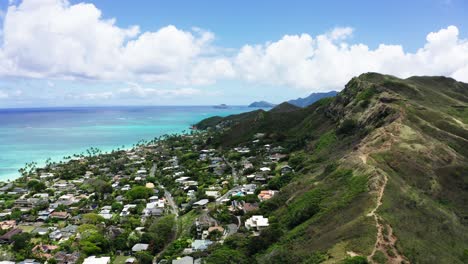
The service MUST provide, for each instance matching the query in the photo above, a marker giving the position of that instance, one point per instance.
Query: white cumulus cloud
(53, 38)
(327, 61)
(3, 95)
(59, 40)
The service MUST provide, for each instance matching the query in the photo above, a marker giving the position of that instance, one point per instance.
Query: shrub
(347, 127)
(355, 260)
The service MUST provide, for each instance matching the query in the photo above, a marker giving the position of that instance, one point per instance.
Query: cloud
(3, 95)
(58, 40)
(327, 61)
(52, 38)
(137, 91)
(10, 94)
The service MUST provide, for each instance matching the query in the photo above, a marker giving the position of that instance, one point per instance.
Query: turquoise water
(28, 135)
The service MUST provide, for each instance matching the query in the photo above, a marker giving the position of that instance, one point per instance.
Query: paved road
(153, 170)
(233, 172)
(228, 194)
(172, 204)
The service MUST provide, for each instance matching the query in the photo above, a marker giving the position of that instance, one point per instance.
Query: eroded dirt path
(385, 241)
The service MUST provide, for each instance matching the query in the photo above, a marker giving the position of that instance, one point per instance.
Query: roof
(96, 260)
(9, 234)
(202, 202)
(200, 244)
(184, 260)
(140, 247)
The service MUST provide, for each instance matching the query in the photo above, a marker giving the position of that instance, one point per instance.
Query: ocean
(35, 134)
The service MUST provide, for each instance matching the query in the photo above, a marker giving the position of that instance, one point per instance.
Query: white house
(257, 222)
(96, 260)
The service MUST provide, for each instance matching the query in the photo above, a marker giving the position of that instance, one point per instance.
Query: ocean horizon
(38, 133)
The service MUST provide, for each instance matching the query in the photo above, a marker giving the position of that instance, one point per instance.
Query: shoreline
(42, 163)
(14, 159)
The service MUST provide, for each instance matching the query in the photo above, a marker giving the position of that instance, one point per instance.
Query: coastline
(105, 128)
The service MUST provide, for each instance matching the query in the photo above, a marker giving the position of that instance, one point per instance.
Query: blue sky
(104, 52)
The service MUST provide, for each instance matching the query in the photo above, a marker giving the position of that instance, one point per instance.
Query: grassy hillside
(382, 173)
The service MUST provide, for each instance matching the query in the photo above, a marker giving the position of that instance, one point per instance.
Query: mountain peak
(284, 108)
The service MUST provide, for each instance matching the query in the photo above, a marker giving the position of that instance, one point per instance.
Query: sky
(151, 52)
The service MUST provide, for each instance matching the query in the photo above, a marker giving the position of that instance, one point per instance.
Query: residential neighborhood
(165, 201)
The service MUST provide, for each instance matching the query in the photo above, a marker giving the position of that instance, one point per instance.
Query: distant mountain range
(312, 98)
(300, 102)
(261, 104)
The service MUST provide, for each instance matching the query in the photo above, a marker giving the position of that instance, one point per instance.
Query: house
(277, 157)
(96, 260)
(46, 175)
(41, 231)
(182, 179)
(44, 250)
(60, 215)
(249, 188)
(257, 222)
(141, 172)
(250, 207)
(130, 261)
(202, 203)
(44, 215)
(214, 194)
(29, 261)
(140, 247)
(55, 235)
(201, 244)
(147, 212)
(9, 224)
(126, 211)
(114, 231)
(66, 200)
(69, 231)
(106, 212)
(215, 228)
(184, 260)
(23, 203)
(286, 169)
(65, 258)
(153, 199)
(266, 195)
(6, 238)
(260, 179)
(63, 186)
(43, 196)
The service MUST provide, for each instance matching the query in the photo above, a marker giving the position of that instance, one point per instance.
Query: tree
(21, 241)
(355, 260)
(93, 243)
(347, 127)
(162, 230)
(36, 186)
(226, 255)
(92, 218)
(16, 214)
(144, 257)
(139, 192)
(117, 207)
(120, 242)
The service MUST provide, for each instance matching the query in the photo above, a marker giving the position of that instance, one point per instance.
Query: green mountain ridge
(381, 173)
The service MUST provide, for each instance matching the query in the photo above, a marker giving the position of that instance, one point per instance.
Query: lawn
(26, 228)
(120, 259)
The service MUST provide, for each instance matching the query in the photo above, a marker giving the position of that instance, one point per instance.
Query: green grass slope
(382, 173)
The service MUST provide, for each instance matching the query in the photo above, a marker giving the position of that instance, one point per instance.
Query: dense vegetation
(404, 138)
